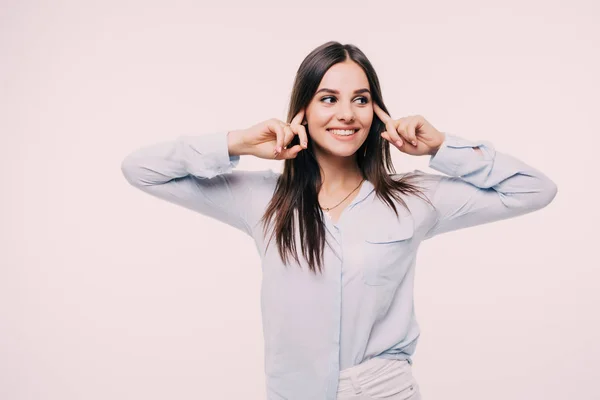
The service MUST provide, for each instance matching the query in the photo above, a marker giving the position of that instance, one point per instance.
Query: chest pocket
(388, 251)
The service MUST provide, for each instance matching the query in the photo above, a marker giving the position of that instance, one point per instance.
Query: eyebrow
(363, 90)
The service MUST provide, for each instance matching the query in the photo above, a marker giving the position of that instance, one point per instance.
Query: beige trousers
(378, 378)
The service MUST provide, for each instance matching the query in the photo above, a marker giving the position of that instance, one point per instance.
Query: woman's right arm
(198, 173)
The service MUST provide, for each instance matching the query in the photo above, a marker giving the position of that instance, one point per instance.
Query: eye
(365, 99)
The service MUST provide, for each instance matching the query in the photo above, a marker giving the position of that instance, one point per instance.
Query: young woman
(337, 232)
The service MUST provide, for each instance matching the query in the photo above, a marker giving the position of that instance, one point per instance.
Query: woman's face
(342, 100)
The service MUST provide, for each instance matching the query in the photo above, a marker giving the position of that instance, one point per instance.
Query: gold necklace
(330, 208)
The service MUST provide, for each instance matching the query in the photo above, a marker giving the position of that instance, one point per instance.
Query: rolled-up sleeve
(483, 186)
(197, 172)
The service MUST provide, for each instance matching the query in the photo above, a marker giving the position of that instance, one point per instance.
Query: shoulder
(261, 179)
(264, 176)
(424, 180)
(259, 184)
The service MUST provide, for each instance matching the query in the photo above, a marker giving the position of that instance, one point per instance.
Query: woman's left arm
(483, 185)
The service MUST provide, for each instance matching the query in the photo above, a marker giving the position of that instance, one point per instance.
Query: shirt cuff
(456, 155)
(214, 152)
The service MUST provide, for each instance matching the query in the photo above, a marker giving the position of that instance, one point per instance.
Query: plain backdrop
(109, 293)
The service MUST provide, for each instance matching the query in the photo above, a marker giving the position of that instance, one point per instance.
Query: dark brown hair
(296, 192)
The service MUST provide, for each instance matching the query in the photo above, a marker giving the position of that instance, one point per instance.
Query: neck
(339, 174)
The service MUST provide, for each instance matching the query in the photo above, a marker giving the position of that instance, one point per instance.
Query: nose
(345, 113)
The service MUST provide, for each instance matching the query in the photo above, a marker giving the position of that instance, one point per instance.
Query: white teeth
(342, 132)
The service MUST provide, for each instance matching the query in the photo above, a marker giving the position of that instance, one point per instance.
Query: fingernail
(279, 149)
(414, 143)
(399, 142)
(304, 144)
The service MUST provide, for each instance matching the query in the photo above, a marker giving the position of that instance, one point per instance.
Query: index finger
(298, 118)
(381, 114)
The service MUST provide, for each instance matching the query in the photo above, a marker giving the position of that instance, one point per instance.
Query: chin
(345, 147)
(342, 151)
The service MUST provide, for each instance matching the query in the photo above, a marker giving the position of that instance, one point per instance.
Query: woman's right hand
(269, 139)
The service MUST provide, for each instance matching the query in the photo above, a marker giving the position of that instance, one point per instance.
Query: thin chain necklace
(330, 208)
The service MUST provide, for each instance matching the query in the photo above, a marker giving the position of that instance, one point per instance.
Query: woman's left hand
(412, 135)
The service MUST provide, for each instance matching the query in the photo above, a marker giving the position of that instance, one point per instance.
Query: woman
(339, 323)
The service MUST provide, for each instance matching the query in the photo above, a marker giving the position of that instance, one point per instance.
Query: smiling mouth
(343, 132)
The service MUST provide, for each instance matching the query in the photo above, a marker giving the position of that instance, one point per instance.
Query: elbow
(552, 190)
(533, 198)
(546, 193)
(128, 168)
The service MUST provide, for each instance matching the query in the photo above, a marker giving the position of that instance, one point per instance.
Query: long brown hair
(296, 191)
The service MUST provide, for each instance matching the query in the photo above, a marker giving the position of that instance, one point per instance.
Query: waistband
(351, 379)
(372, 365)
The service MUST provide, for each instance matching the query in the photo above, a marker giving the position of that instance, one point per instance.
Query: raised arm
(198, 172)
(483, 185)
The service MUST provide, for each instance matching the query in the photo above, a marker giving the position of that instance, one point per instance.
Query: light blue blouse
(362, 305)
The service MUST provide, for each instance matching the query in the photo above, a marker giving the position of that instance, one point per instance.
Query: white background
(109, 293)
